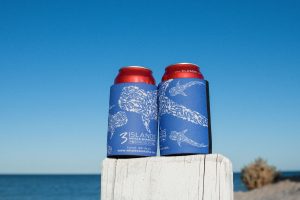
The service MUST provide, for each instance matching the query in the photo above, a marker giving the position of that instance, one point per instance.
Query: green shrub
(258, 174)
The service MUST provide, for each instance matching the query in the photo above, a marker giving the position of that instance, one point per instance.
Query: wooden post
(194, 177)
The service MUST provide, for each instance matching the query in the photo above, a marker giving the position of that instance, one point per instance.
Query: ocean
(65, 187)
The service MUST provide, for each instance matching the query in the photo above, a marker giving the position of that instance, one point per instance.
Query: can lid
(183, 63)
(182, 70)
(135, 66)
(135, 74)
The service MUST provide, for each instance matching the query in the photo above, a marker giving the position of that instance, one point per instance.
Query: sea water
(49, 187)
(68, 187)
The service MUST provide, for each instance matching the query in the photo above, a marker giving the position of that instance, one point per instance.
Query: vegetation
(258, 174)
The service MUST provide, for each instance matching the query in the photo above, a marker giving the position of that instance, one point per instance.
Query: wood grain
(194, 177)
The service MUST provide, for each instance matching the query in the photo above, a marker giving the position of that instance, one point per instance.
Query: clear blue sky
(59, 58)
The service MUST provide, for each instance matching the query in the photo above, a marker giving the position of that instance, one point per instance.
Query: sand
(283, 190)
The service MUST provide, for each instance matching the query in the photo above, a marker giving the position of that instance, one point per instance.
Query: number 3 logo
(123, 136)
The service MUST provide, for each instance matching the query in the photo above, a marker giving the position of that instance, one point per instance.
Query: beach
(286, 190)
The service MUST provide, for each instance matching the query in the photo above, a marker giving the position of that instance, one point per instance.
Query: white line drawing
(179, 89)
(134, 99)
(109, 149)
(115, 121)
(180, 137)
(111, 107)
(168, 106)
(162, 135)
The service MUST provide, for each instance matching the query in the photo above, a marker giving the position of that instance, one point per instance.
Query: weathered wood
(205, 177)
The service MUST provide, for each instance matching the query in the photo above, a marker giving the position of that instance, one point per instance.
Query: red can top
(182, 70)
(135, 74)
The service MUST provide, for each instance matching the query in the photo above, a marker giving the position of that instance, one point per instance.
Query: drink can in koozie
(132, 121)
(184, 114)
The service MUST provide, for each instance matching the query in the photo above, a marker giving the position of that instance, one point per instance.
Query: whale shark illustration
(180, 137)
(134, 99)
(168, 106)
(115, 121)
(179, 89)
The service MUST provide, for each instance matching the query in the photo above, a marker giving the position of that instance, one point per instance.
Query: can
(132, 121)
(184, 111)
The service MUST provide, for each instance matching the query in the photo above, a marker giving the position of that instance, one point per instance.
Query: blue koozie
(132, 123)
(183, 116)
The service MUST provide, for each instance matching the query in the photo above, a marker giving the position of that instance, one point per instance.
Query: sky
(58, 60)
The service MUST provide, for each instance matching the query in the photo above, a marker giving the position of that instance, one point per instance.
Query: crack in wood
(203, 177)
